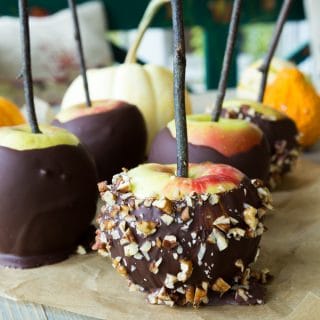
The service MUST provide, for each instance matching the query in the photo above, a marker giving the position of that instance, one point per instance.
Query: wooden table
(11, 310)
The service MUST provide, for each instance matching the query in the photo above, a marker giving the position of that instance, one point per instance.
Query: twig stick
(179, 68)
(77, 36)
(264, 68)
(26, 65)
(232, 36)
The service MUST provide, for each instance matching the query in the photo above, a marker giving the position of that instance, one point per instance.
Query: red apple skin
(114, 132)
(159, 180)
(246, 149)
(207, 176)
(228, 143)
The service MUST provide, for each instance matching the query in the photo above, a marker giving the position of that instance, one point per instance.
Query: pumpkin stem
(77, 36)
(232, 35)
(264, 68)
(151, 11)
(26, 65)
(179, 69)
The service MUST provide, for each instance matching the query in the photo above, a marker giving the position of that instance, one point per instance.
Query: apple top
(81, 110)
(22, 138)
(159, 181)
(228, 136)
(266, 111)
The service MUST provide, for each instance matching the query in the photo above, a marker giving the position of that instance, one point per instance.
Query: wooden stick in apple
(232, 35)
(179, 68)
(264, 68)
(77, 36)
(26, 65)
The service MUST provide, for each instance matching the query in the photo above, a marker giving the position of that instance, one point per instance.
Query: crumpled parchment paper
(290, 249)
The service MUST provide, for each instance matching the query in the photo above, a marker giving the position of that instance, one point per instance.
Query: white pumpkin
(149, 87)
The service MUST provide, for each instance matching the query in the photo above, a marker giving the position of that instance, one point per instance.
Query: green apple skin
(21, 138)
(159, 181)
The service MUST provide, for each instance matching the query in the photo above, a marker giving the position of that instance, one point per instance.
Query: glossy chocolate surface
(281, 135)
(254, 163)
(116, 139)
(48, 199)
(208, 259)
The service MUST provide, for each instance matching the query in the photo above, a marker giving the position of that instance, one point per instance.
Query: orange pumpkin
(10, 114)
(292, 94)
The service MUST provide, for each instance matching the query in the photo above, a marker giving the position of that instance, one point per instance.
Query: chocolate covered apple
(113, 131)
(184, 240)
(233, 142)
(48, 184)
(280, 131)
(48, 195)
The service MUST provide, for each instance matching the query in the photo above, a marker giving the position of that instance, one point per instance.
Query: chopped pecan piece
(239, 264)
(169, 242)
(170, 280)
(186, 270)
(167, 219)
(250, 219)
(217, 237)
(200, 296)
(185, 214)
(154, 266)
(220, 286)
(131, 249)
(102, 186)
(107, 225)
(236, 233)
(146, 227)
(189, 294)
(164, 205)
(109, 198)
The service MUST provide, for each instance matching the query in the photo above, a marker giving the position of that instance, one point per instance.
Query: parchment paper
(90, 286)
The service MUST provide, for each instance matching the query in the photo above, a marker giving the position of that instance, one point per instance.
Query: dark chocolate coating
(254, 163)
(48, 200)
(204, 215)
(116, 139)
(191, 235)
(281, 135)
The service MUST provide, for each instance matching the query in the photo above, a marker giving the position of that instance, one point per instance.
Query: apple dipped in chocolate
(48, 195)
(279, 130)
(48, 191)
(184, 240)
(114, 132)
(185, 234)
(232, 142)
